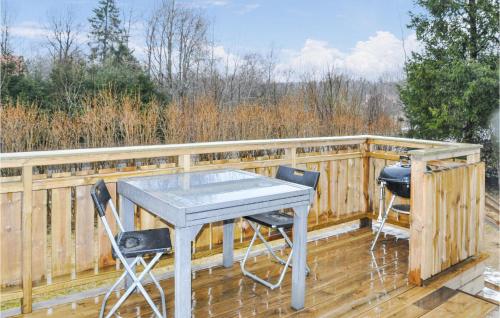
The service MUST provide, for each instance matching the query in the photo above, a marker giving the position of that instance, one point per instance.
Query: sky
(361, 37)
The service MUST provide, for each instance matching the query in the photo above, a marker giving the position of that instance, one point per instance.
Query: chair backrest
(101, 197)
(303, 177)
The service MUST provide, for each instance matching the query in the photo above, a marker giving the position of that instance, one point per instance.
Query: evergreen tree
(106, 31)
(451, 89)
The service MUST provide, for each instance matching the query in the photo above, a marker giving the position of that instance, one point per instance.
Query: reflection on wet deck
(346, 281)
(344, 275)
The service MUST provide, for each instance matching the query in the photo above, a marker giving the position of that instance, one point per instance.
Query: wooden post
(474, 158)
(185, 162)
(291, 154)
(418, 217)
(365, 179)
(27, 179)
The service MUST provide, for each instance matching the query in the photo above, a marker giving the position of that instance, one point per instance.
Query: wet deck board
(461, 305)
(342, 284)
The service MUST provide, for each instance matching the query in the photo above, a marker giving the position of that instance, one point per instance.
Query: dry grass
(108, 120)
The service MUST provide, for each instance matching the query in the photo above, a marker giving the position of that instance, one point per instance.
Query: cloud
(227, 60)
(248, 8)
(314, 56)
(37, 32)
(207, 3)
(29, 30)
(382, 54)
(219, 3)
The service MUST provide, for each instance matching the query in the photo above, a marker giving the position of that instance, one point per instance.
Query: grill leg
(384, 218)
(381, 201)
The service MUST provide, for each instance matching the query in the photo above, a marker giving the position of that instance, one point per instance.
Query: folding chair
(131, 244)
(278, 220)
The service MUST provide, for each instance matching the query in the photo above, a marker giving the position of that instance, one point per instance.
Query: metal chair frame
(384, 213)
(256, 227)
(129, 271)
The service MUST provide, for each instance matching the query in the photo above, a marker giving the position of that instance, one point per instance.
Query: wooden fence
(450, 225)
(51, 239)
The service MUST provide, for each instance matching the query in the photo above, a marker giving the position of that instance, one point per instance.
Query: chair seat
(273, 220)
(139, 243)
(401, 208)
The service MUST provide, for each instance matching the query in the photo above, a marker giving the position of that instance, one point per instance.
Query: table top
(202, 191)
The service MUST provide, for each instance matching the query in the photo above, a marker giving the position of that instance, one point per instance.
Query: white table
(190, 200)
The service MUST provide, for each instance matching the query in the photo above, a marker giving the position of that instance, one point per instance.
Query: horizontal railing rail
(43, 158)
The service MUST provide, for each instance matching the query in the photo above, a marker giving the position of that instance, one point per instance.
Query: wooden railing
(51, 240)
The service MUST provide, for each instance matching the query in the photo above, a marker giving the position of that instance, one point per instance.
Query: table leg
(127, 208)
(299, 256)
(182, 274)
(228, 243)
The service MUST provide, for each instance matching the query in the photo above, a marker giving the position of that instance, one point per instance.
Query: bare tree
(191, 30)
(160, 43)
(68, 67)
(62, 40)
(270, 62)
(5, 48)
(175, 39)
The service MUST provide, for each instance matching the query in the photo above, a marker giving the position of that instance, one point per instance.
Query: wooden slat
(313, 217)
(451, 218)
(323, 194)
(417, 241)
(104, 257)
(216, 233)
(11, 238)
(358, 185)
(39, 236)
(316, 207)
(27, 209)
(464, 196)
(428, 188)
(453, 215)
(481, 207)
(438, 232)
(84, 229)
(342, 194)
(203, 239)
(378, 164)
(147, 220)
(332, 188)
(61, 243)
(365, 180)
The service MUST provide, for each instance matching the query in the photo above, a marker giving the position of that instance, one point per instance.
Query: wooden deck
(346, 281)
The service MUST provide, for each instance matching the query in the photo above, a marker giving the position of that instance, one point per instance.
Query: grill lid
(397, 173)
(397, 177)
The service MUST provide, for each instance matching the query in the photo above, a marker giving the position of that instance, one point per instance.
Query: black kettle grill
(396, 178)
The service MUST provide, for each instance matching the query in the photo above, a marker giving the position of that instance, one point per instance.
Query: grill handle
(405, 159)
(391, 180)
